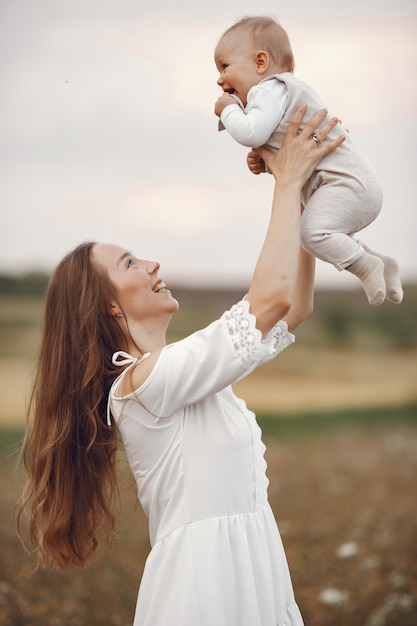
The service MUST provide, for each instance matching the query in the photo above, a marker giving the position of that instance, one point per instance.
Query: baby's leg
(332, 215)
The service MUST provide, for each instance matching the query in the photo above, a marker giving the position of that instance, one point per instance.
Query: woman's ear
(262, 61)
(115, 309)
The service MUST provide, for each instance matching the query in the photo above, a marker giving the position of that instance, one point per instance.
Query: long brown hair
(69, 452)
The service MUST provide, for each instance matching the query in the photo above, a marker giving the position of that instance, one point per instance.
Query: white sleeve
(253, 125)
(210, 360)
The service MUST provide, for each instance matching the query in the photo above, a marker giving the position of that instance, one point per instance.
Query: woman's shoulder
(135, 376)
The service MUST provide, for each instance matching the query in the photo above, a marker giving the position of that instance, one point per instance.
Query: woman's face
(140, 292)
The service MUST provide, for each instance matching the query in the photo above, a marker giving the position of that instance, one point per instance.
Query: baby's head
(251, 50)
(264, 33)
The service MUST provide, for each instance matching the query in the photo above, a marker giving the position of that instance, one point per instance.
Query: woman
(193, 447)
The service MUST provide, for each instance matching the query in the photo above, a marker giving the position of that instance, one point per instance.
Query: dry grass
(326, 491)
(15, 383)
(311, 379)
(354, 487)
(365, 371)
(301, 379)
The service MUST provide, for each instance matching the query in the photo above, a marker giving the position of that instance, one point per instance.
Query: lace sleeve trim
(247, 339)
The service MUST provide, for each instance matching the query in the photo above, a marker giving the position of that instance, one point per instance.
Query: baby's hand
(255, 163)
(223, 102)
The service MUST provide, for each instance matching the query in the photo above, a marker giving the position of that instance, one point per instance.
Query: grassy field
(324, 370)
(343, 492)
(339, 416)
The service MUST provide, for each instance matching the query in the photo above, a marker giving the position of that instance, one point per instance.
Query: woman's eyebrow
(122, 257)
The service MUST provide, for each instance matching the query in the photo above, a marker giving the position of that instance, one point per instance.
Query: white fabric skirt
(222, 571)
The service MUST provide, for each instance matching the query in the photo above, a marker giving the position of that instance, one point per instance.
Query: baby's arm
(255, 163)
(252, 126)
(223, 101)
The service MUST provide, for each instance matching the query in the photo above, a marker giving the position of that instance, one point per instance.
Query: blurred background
(108, 133)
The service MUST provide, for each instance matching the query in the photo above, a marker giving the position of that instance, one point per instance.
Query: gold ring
(316, 139)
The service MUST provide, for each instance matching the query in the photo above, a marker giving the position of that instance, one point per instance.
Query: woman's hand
(300, 152)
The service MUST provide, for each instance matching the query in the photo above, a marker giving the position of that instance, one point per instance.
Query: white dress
(196, 453)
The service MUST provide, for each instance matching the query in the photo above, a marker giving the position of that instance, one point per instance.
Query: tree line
(340, 316)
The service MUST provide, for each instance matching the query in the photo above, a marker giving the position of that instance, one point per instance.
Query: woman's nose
(153, 266)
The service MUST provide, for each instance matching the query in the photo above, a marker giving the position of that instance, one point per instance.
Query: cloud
(185, 209)
(185, 58)
(108, 130)
(355, 64)
(358, 65)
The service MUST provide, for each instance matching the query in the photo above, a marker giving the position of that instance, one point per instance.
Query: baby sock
(392, 278)
(370, 270)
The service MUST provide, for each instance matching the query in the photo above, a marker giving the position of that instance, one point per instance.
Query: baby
(261, 94)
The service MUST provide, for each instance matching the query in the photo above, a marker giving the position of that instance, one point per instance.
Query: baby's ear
(262, 61)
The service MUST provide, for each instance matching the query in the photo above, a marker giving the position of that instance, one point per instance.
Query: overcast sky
(107, 129)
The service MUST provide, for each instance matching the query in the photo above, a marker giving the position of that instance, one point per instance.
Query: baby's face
(237, 67)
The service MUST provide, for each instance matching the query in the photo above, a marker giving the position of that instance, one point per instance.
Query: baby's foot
(394, 290)
(370, 271)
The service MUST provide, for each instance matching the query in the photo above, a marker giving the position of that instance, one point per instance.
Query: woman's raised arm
(280, 275)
